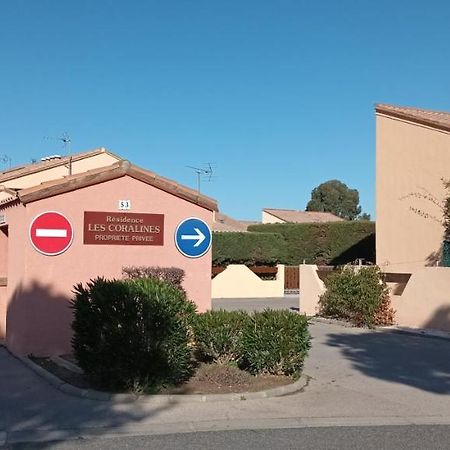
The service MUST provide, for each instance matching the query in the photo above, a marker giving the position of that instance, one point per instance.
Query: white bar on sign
(49, 232)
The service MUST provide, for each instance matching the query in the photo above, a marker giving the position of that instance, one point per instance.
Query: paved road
(345, 438)
(257, 304)
(358, 377)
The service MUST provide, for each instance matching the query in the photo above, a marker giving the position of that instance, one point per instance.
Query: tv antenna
(66, 145)
(6, 159)
(203, 174)
(64, 139)
(66, 142)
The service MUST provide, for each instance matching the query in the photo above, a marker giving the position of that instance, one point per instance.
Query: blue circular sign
(193, 237)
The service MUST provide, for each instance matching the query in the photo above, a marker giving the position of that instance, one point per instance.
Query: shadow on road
(411, 360)
(440, 319)
(38, 320)
(30, 407)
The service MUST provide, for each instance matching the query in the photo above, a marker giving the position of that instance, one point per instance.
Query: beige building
(52, 168)
(222, 222)
(270, 215)
(412, 158)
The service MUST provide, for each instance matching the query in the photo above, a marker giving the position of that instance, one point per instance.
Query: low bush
(172, 275)
(269, 342)
(275, 342)
(360, 296)
(218, 335)
(132, 334)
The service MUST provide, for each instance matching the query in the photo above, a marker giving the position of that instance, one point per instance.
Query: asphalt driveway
(257, 304)
(356, 377)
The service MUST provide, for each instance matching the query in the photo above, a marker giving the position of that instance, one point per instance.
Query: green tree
(335, 197)
(446, 211)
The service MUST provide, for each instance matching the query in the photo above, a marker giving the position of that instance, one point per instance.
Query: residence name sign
(123, 228)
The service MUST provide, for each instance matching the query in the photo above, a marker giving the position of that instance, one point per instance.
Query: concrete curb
(325, 320)
(92, 394)
(66, 364)
(424, 332)
(40, 435)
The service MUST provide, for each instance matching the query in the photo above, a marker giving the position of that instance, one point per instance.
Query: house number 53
(124, 205)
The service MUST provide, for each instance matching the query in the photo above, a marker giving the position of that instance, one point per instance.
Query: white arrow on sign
(199, 237)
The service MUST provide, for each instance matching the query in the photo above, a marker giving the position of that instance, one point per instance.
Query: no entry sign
(51, 233)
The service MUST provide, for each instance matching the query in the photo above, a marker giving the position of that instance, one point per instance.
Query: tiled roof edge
(386, 110)
(114, 171)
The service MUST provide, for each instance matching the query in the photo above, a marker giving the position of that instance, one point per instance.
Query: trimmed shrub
(333, 243)
(218, 335)
(358, 295)
(172, 275)
(132, 334)
(275, 342)
(248, 248)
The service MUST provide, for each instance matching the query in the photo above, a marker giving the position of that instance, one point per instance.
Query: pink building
(36, 288)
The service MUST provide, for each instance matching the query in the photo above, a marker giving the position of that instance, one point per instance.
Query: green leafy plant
(275, 342)
(334, 243)
(247, 248)
(172, 275)
(358, 295)
(218, 335)
(335, 197)
(446, 210)
(132, 334)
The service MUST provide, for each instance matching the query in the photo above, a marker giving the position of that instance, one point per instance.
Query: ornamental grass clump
(132, 335)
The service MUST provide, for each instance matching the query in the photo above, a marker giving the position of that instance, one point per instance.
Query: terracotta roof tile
(226, 223)
(294, 216)
(27, 169)
(103, 174)
(436, 119)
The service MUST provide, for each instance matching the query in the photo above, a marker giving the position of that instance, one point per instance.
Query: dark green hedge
(132, 335)
(248, 248)
(323, 243)
(290, 243)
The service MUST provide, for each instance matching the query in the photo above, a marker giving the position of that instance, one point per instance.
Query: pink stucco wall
(39, 287)
(2, 312)
(3, 274)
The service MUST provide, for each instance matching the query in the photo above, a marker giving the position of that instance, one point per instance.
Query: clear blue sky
(278, 94)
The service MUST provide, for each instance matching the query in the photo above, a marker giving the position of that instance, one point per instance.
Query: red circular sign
(51, 233)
